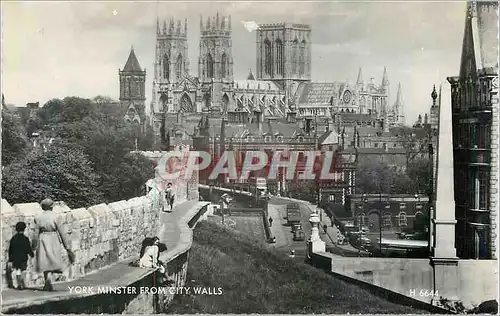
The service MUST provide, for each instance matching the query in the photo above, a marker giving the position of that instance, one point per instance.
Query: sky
(58, 49)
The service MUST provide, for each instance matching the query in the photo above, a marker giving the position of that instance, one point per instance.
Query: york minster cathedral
(281, 82)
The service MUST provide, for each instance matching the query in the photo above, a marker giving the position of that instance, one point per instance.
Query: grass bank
(256, 279)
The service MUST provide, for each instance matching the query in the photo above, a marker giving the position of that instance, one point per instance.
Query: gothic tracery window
(268, 57)
(186, 104)
(279, 57)
(302, 59)
(210, 66)
(295, 56)
(223, 64)
(178, 67)
(166, 67)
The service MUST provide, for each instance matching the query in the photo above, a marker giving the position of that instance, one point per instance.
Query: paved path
(118, 274)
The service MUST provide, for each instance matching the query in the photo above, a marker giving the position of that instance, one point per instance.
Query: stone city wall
(176, 263)
(98, 236)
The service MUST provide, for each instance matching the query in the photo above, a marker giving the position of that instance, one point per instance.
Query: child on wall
(19, 250)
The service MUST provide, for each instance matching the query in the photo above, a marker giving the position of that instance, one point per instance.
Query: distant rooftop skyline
(58, 49)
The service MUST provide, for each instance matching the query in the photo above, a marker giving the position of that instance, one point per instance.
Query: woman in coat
(49, 245)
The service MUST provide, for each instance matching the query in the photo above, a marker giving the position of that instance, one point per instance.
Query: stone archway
(374, 220)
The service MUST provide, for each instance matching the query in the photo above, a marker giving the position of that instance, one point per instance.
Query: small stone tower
(132, 90)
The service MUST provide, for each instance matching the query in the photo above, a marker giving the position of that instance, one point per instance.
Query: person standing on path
(270, 221)
(48, 245)
(19, 250)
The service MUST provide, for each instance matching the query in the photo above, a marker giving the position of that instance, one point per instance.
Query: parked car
(299, 235)
(296, 226)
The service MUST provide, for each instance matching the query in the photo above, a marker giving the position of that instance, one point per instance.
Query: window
(419, 206)
(279, 138)
(223, 65)
(279, 57)
(249, 138)
(178, 67)
(300, 139)
(473, 141)
(267, 139)
(375, 144)
(483, 188)
(402, 205)
(302, 58)
(166, 67)
(403, 222)
(331, 198)
(295, 57)
(210, 66)
(268, 57)
(483, 136)
(387, 220)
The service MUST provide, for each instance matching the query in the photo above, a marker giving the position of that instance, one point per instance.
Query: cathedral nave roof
(256, 85)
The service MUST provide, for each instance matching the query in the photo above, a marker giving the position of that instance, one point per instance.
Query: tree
(61, 174)
(14, 142)
(402, 184)
(373, 176)
(414, 142)
(419, 170)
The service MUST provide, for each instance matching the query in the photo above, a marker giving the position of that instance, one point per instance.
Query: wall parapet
(184, 218)
(99, 235)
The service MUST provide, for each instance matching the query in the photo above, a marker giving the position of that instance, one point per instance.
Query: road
(300, 247)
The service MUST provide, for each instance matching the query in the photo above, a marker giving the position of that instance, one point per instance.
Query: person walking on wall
(19, 250)
(270, 221)
(48, 246)
(170, 196)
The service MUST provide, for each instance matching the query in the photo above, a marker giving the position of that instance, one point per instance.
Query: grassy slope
(250, 225)
(256, 279)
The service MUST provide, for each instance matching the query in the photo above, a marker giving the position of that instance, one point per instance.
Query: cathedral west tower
(215, 63)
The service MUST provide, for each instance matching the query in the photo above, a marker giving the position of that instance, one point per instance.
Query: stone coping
(117, 274)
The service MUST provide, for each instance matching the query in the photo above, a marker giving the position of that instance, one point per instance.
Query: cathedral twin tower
(282, 79)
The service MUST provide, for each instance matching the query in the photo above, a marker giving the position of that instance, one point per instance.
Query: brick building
(474, 98)
(398, 212)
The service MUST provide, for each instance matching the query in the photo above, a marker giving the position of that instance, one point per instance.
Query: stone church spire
(385, 78)
(360, 77)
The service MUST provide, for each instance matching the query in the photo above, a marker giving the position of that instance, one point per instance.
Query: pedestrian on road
(19, 249)
(48, 246)
(270, 221)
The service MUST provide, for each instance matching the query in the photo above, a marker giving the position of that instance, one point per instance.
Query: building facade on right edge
(474, 98)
